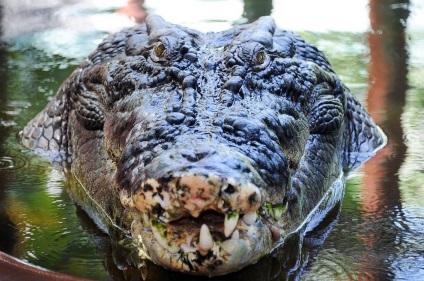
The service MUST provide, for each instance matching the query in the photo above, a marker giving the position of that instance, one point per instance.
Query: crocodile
(207, 149)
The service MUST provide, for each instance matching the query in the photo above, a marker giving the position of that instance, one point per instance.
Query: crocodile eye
(160, 50)
(260, 57)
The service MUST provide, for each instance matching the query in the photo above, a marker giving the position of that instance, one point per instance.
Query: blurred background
(375, 46)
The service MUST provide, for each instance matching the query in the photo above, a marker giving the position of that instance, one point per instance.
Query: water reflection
(134, 10)
(254, 9)
(382, 207)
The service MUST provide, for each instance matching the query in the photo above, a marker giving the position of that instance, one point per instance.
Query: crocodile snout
(183, 182)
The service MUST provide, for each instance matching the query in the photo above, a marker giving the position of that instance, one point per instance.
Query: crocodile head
(220, 144)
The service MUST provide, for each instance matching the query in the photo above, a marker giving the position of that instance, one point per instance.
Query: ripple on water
(9, 163)
(10, 110)
(332, 267)
(65, 248)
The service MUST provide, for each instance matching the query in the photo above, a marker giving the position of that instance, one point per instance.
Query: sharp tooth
(146, 220)
(250, 218)
(230, 223)
(187, 249)
(277, 213)
(205, 240)
(173, 249)
(159, 232)
(236, 235)
(136, 228)
(279, 210)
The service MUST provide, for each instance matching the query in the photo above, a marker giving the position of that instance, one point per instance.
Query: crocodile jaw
(185, 247)
(204, 231)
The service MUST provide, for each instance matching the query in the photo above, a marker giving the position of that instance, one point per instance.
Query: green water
(379, 233)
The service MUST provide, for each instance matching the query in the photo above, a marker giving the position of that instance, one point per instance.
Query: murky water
(375, 47)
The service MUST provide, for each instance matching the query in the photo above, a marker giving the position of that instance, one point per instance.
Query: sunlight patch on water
(416, 59)
(55, 183)
(201, 15)
(69, 44)
(351, 16)
(416, 20)
(9, 111)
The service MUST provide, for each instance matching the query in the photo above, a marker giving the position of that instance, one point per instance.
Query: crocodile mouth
(202, 222)
(211, 244)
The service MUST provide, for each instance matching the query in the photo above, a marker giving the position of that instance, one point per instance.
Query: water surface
(377, 50)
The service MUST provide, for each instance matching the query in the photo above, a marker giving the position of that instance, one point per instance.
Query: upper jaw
(176, 184)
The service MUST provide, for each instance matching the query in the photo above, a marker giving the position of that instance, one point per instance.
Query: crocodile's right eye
(160, 50)
(260, 58)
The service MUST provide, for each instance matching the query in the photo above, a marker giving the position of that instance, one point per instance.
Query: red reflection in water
(386, 100)
(134, 10)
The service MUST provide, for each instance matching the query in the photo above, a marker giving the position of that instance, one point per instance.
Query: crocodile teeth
(187, 249)
(250, 218)
(146, 220)
(205, 240)
(230, 223)
(236, 235)
(159, 233)
(278, 212)
(136, 228)
(174, 249)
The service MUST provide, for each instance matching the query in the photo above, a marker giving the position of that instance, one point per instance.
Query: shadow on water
(382, 205)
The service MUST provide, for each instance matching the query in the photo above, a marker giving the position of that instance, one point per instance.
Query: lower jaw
(226, 256)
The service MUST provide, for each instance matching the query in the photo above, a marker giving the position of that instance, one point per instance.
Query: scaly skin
(209, 149)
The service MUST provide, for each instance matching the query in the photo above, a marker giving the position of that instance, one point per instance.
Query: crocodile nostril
(230, 189)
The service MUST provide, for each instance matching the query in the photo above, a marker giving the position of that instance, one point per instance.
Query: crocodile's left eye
(260, 58)
(160, 50)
